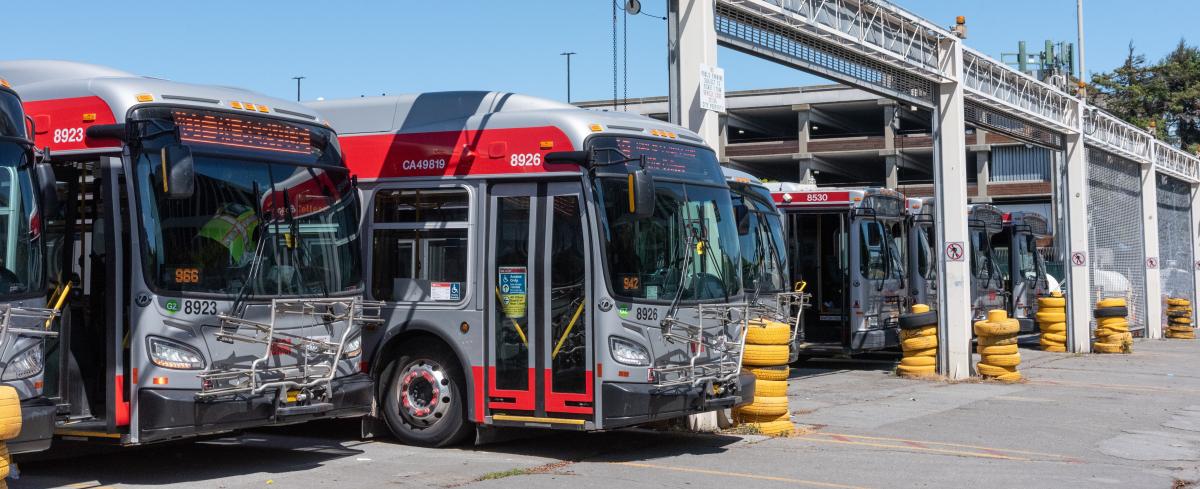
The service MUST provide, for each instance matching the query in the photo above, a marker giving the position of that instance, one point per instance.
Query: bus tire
(765, 355)
(1044, 302)
(765, 332)
(1010, 339)
(770, 388)
(766, 406)
(1002, 328)
(771, 373)
(1053, 328)
(997, 349)
(1111, 312)
(1050, 317)
(10, 413)
(423, 369)
(1111, 302)
(919, 343)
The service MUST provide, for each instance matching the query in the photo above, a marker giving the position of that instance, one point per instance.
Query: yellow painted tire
(5, 461)
(742, 417)
(765, 355)
(1180, 321)
(1050, 317)
(916, 371)
(918, 361)
(1182, 336)
(1053, 328)
(1111, 302)
(1178, 302)
(997, 340)
(1056, 348)
(996, 349)
(994, 328)
(771, 373)
(993, 371)
(919, 343)
(1119, 322)
(928, 352)
(1100, 347)
(1009, 377)
(10, 413)
(1180, 329)
(1055, 338)
(1116, 338)
(917, 333)
(761, 332)
(770, 388)
(773, 428)
(1002, 360)
(766, 406)
(1045, 302)
(1105, 333)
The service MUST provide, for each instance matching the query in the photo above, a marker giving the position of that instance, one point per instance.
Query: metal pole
(1082, 70)
(568, 55)
(298, 78)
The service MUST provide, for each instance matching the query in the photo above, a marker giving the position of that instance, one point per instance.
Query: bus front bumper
(37, 426)
(166, 414)
(627, 404)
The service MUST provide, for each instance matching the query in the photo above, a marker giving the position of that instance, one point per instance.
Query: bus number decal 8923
(68, 135)
(200, 307)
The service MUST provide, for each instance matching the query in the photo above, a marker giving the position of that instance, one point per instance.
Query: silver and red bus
(211, 245)
(984, 223)
(26, 323)
(541, 265)
(847, 245)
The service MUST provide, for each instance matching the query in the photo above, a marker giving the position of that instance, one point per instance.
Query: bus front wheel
(425, 397)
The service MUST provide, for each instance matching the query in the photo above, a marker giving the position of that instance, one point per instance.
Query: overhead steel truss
(880, 47)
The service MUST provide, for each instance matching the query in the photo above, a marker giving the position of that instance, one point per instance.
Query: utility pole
(568, 55)
(298, 78)
(1082, 71)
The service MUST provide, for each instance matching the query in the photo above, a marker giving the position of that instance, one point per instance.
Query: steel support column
(950, 189)
(1154, 299)
(691, 24)
(1078, 280)
(1195, 247)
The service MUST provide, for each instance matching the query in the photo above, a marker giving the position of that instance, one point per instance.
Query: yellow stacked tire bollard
(10, 427)
(1052, 322)
(918, 339)
(997, 347)
(766, 355)
(1112, 327)
(1179, 319)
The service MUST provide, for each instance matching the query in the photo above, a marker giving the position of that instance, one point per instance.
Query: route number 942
(525, 159)
(68, 135)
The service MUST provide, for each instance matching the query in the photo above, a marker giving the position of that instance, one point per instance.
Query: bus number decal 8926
(525, 159)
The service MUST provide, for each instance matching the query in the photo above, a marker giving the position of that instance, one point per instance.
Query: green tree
(1166, 93)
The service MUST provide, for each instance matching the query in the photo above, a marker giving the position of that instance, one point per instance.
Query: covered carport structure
(1107, 169)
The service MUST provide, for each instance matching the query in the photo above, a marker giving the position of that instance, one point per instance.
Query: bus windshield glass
(880, 257)
(982, 263)
(21, 244)
(689, 247)
(761, 233)
(273, 211)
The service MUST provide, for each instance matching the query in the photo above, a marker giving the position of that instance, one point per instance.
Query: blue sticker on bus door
(511, 283)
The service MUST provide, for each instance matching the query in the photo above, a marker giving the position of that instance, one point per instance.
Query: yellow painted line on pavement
(944, 444)
(740, 474)
(915, 447)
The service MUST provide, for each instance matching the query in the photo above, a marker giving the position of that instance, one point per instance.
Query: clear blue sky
(353, 47)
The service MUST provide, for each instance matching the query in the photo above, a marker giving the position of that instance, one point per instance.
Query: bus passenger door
(539, 345)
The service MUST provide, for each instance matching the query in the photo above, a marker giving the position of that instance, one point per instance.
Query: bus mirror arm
(581, 158)
(107, 131)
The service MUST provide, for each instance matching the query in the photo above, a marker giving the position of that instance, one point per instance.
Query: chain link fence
(1116, 250)
(1175, 238)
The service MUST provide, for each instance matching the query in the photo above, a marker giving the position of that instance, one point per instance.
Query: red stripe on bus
(60, 124)
(811, 198)
(477, 374)
(522, 400)
(120, 405)
(455, 153)
(556, 402)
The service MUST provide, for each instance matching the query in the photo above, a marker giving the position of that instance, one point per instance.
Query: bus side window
(419, 245)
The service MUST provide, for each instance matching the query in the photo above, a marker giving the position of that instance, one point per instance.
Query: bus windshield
(689, 247)
(878, 262)
(983, 265)
(21, 251)
(256, 223)
(761, 233)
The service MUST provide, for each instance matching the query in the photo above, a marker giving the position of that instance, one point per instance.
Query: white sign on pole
(712, 88)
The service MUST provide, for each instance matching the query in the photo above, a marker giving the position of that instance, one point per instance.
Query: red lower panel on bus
(522, 400)
(557, 402)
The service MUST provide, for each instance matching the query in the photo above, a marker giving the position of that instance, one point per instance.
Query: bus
(846, 244)
(211, 243)
(984, 224)
(764, 256)
(542, 265)
(1021, 266)
(26, 322)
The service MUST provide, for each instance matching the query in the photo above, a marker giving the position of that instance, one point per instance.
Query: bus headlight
(353, 347)
(628, 353)
(26, 364)
(170, 354)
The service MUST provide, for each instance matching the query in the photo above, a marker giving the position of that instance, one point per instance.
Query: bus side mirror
(742, 214)
(47, 188)
(179, 177)
(641, 194)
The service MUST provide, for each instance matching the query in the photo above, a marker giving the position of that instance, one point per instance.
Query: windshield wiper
(259, 247)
